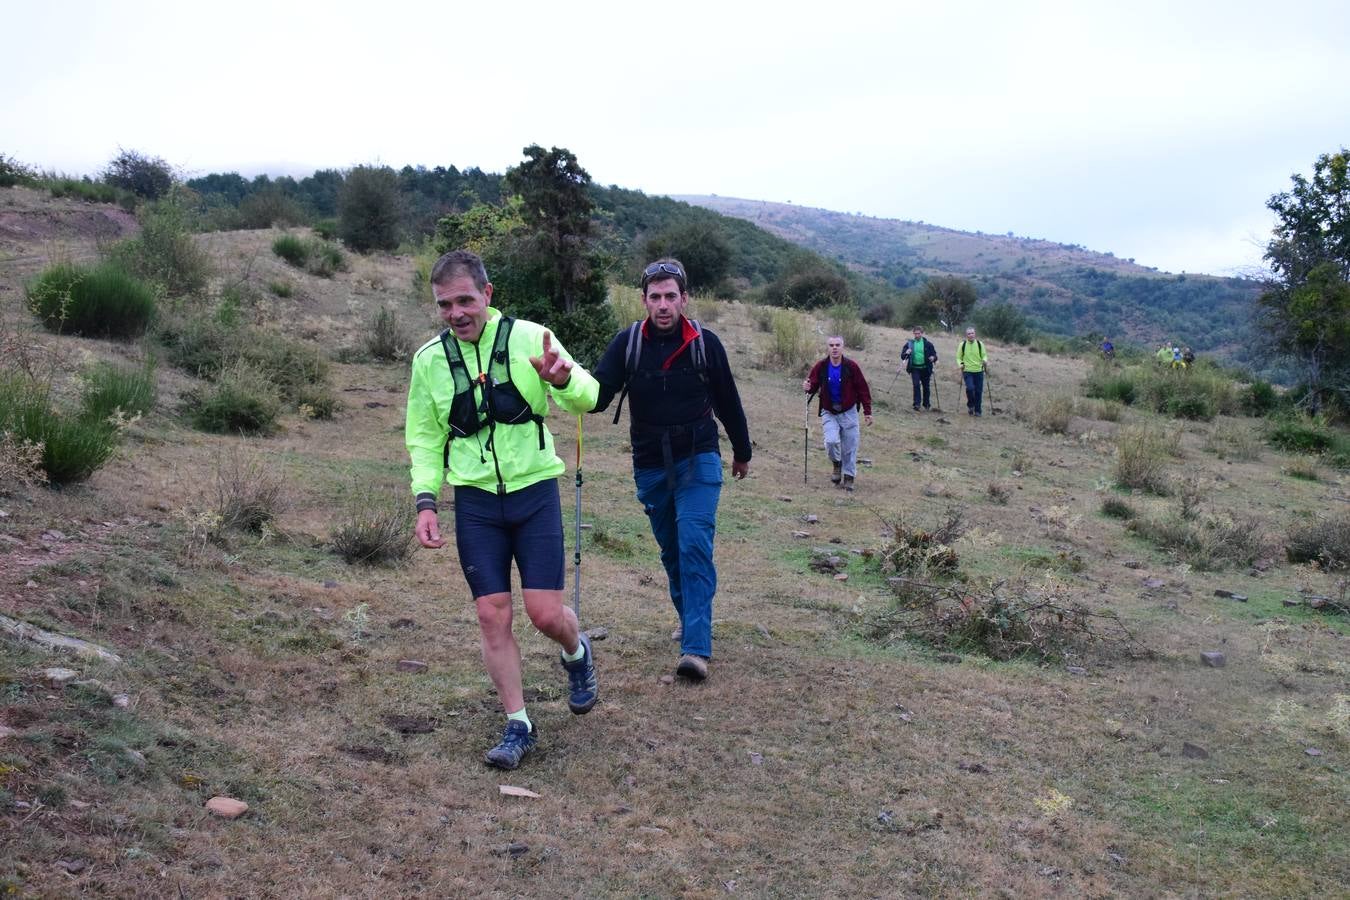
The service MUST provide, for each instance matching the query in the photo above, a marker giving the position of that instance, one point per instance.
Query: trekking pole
(937, 395)
(989, 392)
(576, 555)
(806, 432)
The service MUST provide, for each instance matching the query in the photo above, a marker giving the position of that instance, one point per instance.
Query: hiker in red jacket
(842, 387)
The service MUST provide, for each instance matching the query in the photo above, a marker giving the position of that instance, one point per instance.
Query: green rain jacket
(515, 449)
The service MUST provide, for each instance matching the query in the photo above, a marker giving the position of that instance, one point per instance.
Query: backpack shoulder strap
(631, 353)
(698, 351)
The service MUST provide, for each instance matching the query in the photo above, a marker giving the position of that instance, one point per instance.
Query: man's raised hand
(551, 366)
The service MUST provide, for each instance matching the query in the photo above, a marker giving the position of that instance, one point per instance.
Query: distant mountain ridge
(1065, 288)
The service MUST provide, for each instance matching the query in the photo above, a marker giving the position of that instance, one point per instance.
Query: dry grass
(249, 494)
(269, 672)
(1142, 454)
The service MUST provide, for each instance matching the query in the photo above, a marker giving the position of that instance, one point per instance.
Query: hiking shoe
(695, 668)
(678, 633)
(916, 408)
(848, 483)
(517, 740)
(838, 469)
(581, 680)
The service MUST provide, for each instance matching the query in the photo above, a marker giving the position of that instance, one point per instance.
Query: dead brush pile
(1002, 620)
(916, 551)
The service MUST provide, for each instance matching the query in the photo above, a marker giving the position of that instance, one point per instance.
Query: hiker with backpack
(676, 377)
(919, 356)
(973, 362)
(842, 387)
(475, 418)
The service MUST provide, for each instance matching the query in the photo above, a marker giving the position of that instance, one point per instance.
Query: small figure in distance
(842, 387)
(972, 362)
(919, 357)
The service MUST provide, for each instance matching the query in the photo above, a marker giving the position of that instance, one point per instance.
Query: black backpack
(633, 351)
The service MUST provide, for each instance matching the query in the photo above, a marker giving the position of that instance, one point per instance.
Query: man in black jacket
(919, 357)
(677, 377)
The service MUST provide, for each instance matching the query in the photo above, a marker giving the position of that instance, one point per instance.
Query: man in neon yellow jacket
(973, 362)
(476, 409)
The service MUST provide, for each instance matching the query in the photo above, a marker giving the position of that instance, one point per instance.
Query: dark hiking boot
(695, 668)
(517, 740)
(581, 680)
(848, 483)
(838, 468)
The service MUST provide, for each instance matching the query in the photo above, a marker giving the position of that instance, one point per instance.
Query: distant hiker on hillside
(919, 357)
(678, 377)
(1108, 349)
(1187, 357)
(1164, 354)
(475, 418)
(1177, 361)
(842, 387)
(973, 362)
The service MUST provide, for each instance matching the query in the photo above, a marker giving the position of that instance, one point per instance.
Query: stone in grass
(1075, 670)
(1292, 601)
(1194, 751)
(1313, 751)
(58, 676)
(598, 633)
(949, 657)
(1213, 658)
(1231, 595)
(411, 665)
(227, 807)
(514, 850)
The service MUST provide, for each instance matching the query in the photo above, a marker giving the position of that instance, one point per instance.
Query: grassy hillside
(857, 737)
(1067, 289)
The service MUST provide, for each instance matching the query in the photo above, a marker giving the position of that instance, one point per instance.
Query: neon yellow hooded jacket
(515, 448)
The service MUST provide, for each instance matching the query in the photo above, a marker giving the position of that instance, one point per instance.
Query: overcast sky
(1154, 130)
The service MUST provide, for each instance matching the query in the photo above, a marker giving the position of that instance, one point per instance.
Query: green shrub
(326, 229)
(200, 344)
(241, 400)
(266, 208)
(100, 302)
(1109, 383)
(1115, 508)
(13, 172)
(89, 191)
(288, 364)
(325, 259)
(316, 401)
(293, 249)
(72, 448)
(1141, 458)
(1002, 322)
(844, 322)
(145, 176)
(385, 340)
(376, 528)
(112, 391)
(1260, 398)
(791, 348)
(1301, 436)
(164, 252)
(368, 209)
(281, 289)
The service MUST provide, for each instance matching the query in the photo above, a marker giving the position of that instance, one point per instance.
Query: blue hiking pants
(975, 392)
(684, 522)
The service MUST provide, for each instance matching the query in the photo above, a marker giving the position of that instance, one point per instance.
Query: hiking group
(488, 373)
(476, 409)
(1174, 356)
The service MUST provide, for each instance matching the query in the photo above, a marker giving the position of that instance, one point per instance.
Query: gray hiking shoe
(848, 483)
(581, 682)
(838, 473)
(695, 668)
(516, 741)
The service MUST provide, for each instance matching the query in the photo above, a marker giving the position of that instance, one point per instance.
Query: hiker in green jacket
(476, 409)
(973, 362)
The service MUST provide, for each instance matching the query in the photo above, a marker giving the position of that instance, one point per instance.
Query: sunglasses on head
(658, 268)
